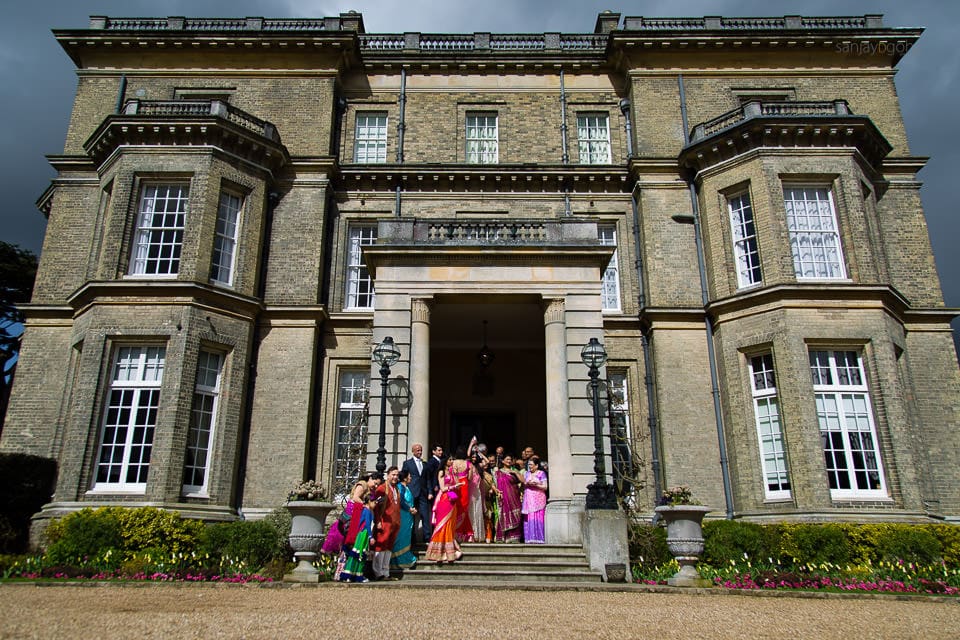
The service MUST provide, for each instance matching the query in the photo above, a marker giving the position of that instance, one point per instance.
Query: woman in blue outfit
(403, 557)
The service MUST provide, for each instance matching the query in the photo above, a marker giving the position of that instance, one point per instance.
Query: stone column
(419, 415)
(561, 528)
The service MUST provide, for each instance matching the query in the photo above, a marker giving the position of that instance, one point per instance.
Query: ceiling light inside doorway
(485, 356)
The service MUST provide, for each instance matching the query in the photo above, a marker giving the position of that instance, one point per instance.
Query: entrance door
(491, 427)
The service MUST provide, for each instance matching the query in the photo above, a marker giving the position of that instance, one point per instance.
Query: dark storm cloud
(37, 81)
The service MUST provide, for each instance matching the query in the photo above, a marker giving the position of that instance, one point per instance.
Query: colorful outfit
(533, 507)
(443, 545)
(403, 557)
(475, 505)
(333, 543)
(464, 528)
(387, 519)
(356, 545)
(509, 522)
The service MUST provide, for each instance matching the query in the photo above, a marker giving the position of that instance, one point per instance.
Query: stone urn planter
(306, 536)
(685, 541)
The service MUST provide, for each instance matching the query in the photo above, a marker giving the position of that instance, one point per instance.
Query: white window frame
(610, 284)
(482, 137)
(226, 232)
(203, 421)
(593, 137)
(848, 433)
(618, 393)
(350, 447)
(158, 239)
(370, 137)
(126, 443)
(746, 249)
(813, 232)
(766, 411)
(359, 294)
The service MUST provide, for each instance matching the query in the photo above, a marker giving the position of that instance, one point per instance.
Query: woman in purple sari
(508, 482)
(534, 502)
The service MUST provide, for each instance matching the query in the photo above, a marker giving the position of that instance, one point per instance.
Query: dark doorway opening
(495, 428)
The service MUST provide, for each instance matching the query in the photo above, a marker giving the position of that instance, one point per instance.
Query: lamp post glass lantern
(386, 355)
(600, 494)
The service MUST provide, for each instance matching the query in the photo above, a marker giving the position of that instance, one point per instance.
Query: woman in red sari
(510, 523)
(443, 546)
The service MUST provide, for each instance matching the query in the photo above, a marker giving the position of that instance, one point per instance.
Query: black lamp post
(600, 495)
(385, 354)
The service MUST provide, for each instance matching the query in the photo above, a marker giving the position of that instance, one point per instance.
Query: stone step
(516, 558)
(510, 568)
(450, 574)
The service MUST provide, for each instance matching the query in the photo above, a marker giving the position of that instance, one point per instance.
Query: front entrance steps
(507, 564)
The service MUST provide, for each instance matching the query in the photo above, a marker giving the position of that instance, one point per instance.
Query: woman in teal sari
(403, 557)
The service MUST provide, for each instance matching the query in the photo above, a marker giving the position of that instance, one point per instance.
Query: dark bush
(818, 543)
(254, 542)
(910, 544)
(81, 537)
(27, 483)
(725, 540)
(649, 543)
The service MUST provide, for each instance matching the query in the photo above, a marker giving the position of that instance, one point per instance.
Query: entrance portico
(436, 281)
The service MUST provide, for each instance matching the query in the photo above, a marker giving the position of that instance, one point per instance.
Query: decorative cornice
(209, 122)
(153, 292)
(783, 124)
(821, 295)
(496, 178)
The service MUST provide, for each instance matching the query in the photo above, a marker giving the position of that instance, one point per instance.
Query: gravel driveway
(378, 612)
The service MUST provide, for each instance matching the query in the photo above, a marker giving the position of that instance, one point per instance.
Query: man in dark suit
(430, 488)
(420, 487)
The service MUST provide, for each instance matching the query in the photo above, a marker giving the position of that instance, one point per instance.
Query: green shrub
(253, 542)
(150, 528)
(949, 537)
(82, 537)
(731, 539)
(648, 543)
(910, 544)
(816, 543)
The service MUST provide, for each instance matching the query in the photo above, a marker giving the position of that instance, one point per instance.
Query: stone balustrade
(757, 109)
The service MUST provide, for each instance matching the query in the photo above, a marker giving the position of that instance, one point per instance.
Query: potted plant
(308, 506)
(684, 521)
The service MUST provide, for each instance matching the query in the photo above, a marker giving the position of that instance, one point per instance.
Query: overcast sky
(37, 81)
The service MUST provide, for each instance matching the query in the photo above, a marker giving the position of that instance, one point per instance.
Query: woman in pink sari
(509, 524)
(443, 546)
(534, 503)
(333, 543)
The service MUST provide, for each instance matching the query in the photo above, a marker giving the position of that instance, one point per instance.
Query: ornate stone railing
(431, 42)
(179, 23)
(756, 109)
(713, 23)
(483, 232)
(189, 108)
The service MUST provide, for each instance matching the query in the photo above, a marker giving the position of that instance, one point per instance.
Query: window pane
(813, 231)
(159, 234)
(745, 248)
(482, 138)
(130, 416)
(610, 285)
(359, 293)
(769, 428)
(351, 445)
(851, 451)
(593, 137)
(225, 239)
(371, 137)
(203, 416)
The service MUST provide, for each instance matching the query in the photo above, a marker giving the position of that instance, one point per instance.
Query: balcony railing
(487, 232)
(433, 42)
(757, 109)
(715, 23)
(191, 108)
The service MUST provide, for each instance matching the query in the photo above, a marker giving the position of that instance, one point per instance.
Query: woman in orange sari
(443, 546)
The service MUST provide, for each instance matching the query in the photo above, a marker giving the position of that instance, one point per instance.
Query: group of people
(467, 497)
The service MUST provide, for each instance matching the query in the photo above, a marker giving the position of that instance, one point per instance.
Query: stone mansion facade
(244, 208)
